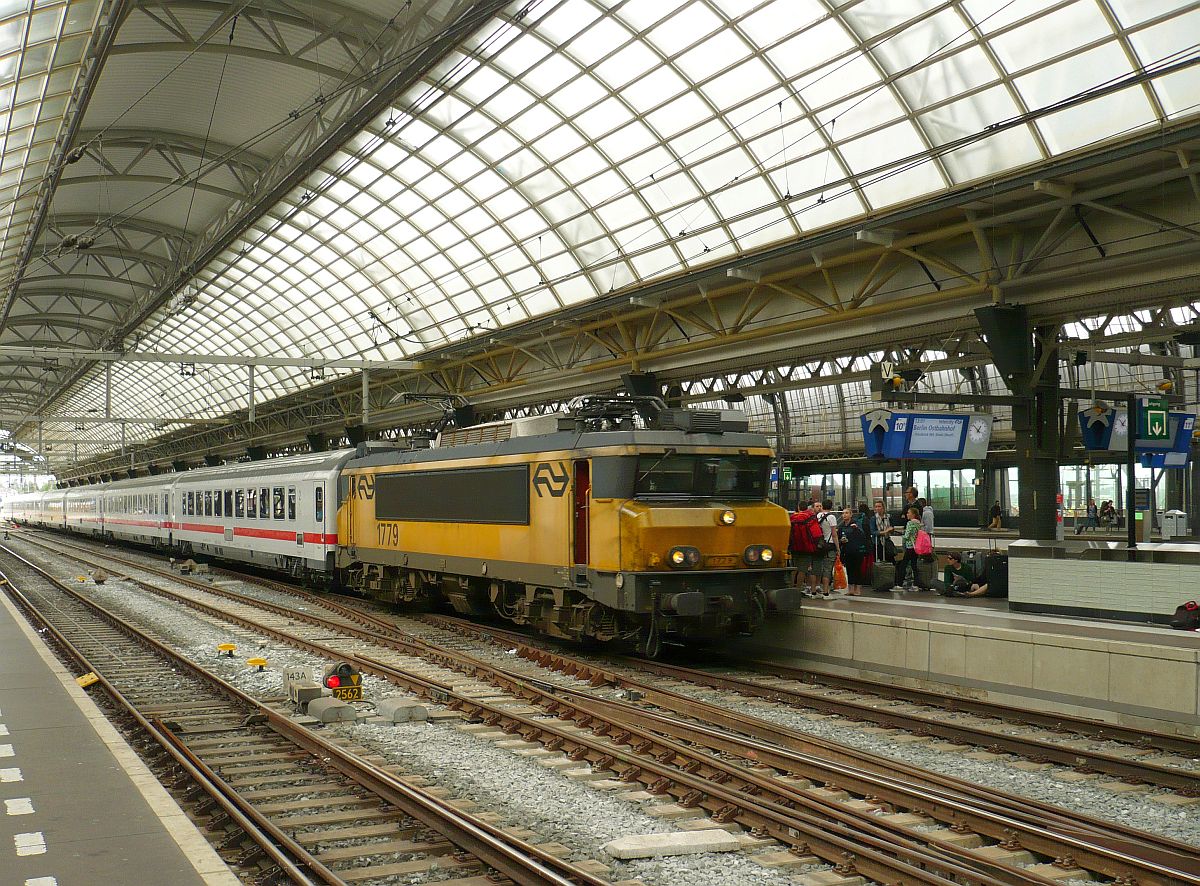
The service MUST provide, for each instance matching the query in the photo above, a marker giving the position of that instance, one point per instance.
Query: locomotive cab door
(582, 523)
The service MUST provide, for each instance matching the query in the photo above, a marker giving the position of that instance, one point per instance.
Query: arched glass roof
(575, 147)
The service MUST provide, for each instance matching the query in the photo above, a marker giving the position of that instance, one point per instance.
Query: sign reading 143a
(1153, 419)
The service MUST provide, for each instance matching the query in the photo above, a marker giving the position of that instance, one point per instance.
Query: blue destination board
(951, 436)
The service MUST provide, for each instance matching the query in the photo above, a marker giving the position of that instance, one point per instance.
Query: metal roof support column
(41, 451)
(366, 398)
(250, 415)
(123, 438)
(108, 396)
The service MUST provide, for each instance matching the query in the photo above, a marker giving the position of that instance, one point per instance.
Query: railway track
(285, 802)
(793, 795)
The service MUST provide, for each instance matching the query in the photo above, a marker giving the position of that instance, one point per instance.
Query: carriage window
(277, 503)
(208, 503)
(252, 503)
(166, 503)
(264, 502)
(239, 503)
(217, 503)
(187, 504)
(319, 503)
(291, 502)
(228, 502)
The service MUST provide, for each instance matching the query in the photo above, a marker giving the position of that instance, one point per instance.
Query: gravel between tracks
(524, 793)
(1180, 823)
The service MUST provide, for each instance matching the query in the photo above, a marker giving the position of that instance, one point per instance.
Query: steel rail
(846, 843)
(516, 859)
(874, 774)
(1184, 781)
(288, 855)
(937, 789)
(1136, 846)
(1000, 823)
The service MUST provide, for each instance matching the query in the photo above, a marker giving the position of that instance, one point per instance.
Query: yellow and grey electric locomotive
(579, 524)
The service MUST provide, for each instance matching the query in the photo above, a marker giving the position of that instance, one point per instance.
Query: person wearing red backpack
(912, 541)
(813, 549)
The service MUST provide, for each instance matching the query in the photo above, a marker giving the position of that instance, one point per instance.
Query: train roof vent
(499, 431)
(702, 421)
(492, 432)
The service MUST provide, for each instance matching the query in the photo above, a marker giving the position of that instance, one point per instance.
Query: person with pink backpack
(917, 542)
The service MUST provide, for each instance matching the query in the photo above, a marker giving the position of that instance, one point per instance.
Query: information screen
(938, 435)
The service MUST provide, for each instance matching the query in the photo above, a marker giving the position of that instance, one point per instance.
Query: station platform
(80, 806)
(1134, 674)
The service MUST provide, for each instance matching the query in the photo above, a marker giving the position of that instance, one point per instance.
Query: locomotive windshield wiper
(668, 452)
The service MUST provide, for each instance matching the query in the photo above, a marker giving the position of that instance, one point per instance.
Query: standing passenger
(909, 563)
(854, 553)
(926, 516)
(996, 514)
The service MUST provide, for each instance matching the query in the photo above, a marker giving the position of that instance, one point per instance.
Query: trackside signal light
(339, 674)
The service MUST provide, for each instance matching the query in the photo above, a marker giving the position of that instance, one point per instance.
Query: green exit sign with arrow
(1153, 419)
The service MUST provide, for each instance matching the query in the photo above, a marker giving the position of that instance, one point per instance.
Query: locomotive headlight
(619, 580)
(728, 517)
(683, 556)
(758, 555)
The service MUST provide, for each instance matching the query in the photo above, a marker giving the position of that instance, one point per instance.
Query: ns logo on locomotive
(617, 520)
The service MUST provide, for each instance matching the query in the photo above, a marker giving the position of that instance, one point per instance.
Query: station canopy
(565, 149)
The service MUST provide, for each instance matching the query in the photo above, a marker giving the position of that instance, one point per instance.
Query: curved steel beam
(151, 180)
(65, 321)
(247, 52)
(30, 287)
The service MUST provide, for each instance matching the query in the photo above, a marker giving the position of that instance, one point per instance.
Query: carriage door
(583, 494)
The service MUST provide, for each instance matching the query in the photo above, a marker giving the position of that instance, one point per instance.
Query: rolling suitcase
(883, 575)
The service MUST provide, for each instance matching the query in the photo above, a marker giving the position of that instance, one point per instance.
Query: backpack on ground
(807, 535)
(1186, 617)
(923, 545)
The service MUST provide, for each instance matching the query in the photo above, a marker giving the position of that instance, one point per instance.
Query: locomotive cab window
(702, 476)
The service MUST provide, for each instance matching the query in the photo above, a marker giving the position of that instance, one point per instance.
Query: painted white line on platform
(41, 881)
(208, 865)
(6, 750)
(3, 729)
(19, 806)
(7, 775)
(30, 844)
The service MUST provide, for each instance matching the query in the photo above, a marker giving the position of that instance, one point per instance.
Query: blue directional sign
(1103, 429)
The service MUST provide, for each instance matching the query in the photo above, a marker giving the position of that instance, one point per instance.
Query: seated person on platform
(993, 582)
(957, 576)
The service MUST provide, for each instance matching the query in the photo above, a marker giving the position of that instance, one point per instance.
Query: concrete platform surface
(1137, 674)
(81, 807)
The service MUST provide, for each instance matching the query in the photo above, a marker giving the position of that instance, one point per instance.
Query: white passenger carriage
(82, 510)
(138, 510)
(279, 513)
